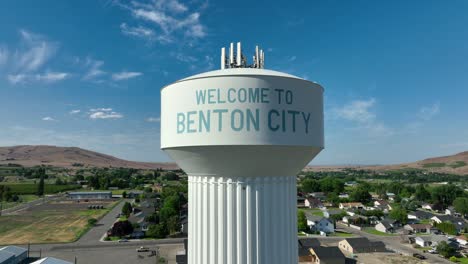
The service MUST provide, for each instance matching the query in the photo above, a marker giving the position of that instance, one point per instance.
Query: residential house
(329, 213)
(353, 205)
(462, 240)
(350, 183)
(328, 255)
(419, 215)
(432, 241)
(420, 228)
(385, 227)
(355, 245)
(391, 196)
(6, 257)
(312, 202)
(381, 203)
(358, 220)
(50, 260)
(320, 224)
(20, 254)
(432, 207)
(304, 246)
(459, 223)
(451, 211)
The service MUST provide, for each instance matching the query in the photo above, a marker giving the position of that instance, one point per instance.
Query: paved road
(393, 243)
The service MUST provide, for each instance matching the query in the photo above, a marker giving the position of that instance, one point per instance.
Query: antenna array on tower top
(235, 59)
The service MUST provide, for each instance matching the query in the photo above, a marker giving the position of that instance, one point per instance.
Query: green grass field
(22, 199)
(457, 164)
(31, 188)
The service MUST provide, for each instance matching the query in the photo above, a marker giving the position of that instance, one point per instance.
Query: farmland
(54, 222)
(31, 188)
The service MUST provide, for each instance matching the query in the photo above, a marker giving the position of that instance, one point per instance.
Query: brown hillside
(29, 156)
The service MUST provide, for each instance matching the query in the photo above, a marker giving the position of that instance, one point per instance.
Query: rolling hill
(455, 164)
(69, 157)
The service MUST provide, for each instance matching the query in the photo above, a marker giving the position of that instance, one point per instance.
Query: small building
(385, 227)
(304, 246)
(6, 257)
(432, 207)
(462, 240)
(19, 254)
(391, 196)
(353, 205)
(381, 203)
(312, 202)
(327, 255)
(134, 194)
(320, 224)
(329, 213)
(343, 196)
(451, 211)
(420, 228)
(419, 215)
(423, 241)
(300, 201)
(356, 245)
(50, 260)
(90, 195)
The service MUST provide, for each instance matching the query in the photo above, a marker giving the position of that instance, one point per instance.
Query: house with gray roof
(355, 245)
(320, 224)
(327, 255)
(20, 254)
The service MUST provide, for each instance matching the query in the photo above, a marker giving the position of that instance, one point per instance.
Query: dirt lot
(386, 258)
(58, 221)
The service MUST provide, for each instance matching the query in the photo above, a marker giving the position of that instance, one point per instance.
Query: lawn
(49, 223)
(342, 234)
(434, 165)
(371, 230)
(462, 260)
(22, 199)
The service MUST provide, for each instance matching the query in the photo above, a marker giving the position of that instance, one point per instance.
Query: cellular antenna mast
(237, 60)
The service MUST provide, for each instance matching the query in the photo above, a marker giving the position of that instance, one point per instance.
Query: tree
(157, 231)
(447, 228)
(461, 205)
(301, 221)
(361, 194)
(40, 187)
(421, 193)
(445, 249)
(446, 194)
(310, 185)
(399, 214)
(122, 228)
(127, 209)
(124, 194)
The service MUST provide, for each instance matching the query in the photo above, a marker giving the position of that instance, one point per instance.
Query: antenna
(223, 58)
(231, 55)
(240, 61)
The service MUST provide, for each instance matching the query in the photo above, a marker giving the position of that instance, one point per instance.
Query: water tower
(241, 134)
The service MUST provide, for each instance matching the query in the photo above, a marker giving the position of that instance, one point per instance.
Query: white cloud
(52, 76)
(153, 119)
(93, 69)
(358, 111)
(173, 19)
(16, 78)
(104, 113)
(36, 53)
(125, 75)
(139, 31)
(73, 112)
(48, 118)
(428, 112)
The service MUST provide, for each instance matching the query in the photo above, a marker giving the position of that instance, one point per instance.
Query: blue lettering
(306, 121)
(293, 113)
(220, 101)
(254, 95)
(190, 122)
(231, 100)
(242, 95)
(220, 113)
(280, 91)
(201, 95)
(211, 96)
(272, 128)
(204, 121)
(264, 93)
(240, 118)
(289, 97)
(254, 120)
(180, 123)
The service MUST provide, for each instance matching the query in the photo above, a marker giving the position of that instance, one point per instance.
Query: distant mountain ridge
(455, 164)
(69, 157)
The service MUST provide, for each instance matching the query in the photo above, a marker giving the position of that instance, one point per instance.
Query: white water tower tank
(242, 134)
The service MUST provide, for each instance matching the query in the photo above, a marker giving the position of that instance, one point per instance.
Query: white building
(50, 260)
(320, 224)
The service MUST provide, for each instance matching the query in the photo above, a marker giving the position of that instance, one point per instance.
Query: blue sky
(88, 73)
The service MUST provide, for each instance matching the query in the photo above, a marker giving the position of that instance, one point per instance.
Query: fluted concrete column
(242, 220)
